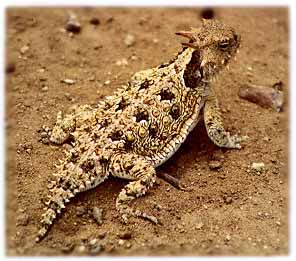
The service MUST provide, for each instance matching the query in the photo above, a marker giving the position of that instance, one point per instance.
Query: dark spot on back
(176, 68)
(166, 94)
(142, 115)
(146, 84)
(94, 136)
(66, 185)
(128, 145)
(87, 165)
(153, 128)
(74, 157)
(163, 65)
(61, 179)
(175, 111)
(104, 122)
(115, 135)
(129, 167)
(87, 128)
(174, 135)
(103, 160)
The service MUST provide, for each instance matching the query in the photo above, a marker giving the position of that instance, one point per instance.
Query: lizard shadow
(197, 148)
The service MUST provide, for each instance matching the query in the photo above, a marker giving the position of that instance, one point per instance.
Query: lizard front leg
(214, 126)
(142, 174)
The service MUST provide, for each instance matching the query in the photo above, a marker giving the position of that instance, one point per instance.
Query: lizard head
(216, 45)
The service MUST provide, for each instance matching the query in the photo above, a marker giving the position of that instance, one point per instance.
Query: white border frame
(132, 3)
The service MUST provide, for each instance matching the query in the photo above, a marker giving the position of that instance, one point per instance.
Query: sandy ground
(230, 211)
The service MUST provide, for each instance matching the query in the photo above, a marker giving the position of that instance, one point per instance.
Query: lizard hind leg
(142, 174)
(214, 126)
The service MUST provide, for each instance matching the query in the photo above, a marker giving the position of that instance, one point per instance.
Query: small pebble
(94, 21)
(92, 78)
(107, 82)
(72, 24)
(125, 235)
(24, 49)
(67, 146)
(258, 166)
(46, 128)
(214, 164)
(134, 57)
(68, 81)
(26, 146)
(93, 242)
(42, 79)
(155, 40)
(80, 211)
(68, 96)
(129, 40)
(128, 245)
(98, 215)
(122, 62)
(44, 134)
(264, 96)
(158, 207)
(228, 200)
(228, 237)
(44, 89)
(102, 235)
(98, 46)
(81, 249)
(121, 242)
(45, 141)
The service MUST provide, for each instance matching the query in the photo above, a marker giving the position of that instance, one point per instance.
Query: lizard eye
(223, 45)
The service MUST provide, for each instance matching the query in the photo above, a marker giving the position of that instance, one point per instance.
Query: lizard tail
(55, 205)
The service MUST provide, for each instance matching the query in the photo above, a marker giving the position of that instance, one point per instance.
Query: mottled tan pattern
(142, 124)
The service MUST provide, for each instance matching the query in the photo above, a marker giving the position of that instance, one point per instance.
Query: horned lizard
(143, 124)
